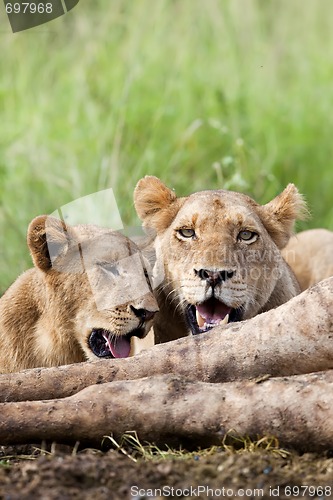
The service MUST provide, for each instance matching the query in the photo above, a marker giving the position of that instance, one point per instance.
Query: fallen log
(168, 410)
(295, 338)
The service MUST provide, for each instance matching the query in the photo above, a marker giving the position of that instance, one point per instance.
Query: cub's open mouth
(105, 344)
(212, 312)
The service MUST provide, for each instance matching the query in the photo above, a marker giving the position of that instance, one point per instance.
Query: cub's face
(98, 285)
(119, 297)
(218, 257)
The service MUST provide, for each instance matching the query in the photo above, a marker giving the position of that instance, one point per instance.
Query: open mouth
(212, 312)
(105, 344)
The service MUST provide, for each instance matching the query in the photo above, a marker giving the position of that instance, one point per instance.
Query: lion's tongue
(212, 312)
(119, 346)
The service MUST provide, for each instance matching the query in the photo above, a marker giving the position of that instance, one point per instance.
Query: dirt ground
(91, 474)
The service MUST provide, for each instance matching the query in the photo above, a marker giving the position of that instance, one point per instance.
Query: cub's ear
(47, 238)
(280, 214)
(155, 203)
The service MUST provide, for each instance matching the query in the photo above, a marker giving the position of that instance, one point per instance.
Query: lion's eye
(247, 236)
(110, 268)
(186, 233)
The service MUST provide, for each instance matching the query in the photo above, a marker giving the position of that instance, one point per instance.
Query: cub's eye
(110, 268)
(247, 236)
(186, 233)
(146, 275)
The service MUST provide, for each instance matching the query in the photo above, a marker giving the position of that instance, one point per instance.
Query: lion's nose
(214, 277)
(143, 314)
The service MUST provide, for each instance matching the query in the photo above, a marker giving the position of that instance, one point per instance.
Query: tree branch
(168, 410)
(295, 338)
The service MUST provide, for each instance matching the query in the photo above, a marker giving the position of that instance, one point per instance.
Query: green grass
(221, 93)
(131, 446)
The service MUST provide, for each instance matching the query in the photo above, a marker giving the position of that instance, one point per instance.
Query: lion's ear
(155, 203)
(47, 238)
(280, 214)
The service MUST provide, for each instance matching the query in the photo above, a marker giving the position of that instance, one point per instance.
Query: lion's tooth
(225, 320)
(199, 319)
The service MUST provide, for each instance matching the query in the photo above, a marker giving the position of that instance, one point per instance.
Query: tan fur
(50, 311)
(255, 277)
(310, 255)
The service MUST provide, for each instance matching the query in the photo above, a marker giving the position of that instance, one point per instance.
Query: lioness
(218, 255)
(86, 297)
(310, 255)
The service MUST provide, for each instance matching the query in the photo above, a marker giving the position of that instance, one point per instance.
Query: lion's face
(217, 265)
(98, 286)
(217, 251)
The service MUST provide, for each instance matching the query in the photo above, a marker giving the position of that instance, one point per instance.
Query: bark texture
(167, 410)
(295, 338)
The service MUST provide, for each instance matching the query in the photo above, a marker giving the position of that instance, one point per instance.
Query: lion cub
(218, 255)
(87, 295)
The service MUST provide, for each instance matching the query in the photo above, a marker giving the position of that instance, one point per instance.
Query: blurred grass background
(234, 94)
